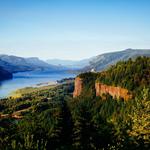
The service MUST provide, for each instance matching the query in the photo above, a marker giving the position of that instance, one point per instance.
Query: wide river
(27, 79)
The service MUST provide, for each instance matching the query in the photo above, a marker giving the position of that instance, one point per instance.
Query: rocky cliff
(115, 92)
(78, 86)
(100, 89)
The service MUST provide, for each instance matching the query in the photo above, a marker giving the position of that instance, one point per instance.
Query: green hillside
(50, 118)
(131, 74)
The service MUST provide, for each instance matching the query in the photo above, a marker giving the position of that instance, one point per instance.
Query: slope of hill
(131, 74)
(103, 61)
(125, 76)
(37, 61)
(19, 64)
(4, 74)
(70, 63)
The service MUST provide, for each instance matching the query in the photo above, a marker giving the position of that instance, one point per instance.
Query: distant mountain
(19, 64)
(70, 63)
(36, 61)
(103, 61)
(4, 74)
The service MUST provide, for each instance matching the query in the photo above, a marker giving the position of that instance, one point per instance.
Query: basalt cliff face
(115, 92)
(78, 87)
(100, 89)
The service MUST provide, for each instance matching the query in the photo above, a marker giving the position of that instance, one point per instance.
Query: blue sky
(72, 29)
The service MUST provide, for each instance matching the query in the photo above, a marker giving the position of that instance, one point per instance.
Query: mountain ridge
(70, 63)
(100, 62)
(14, 64)
(103, 61)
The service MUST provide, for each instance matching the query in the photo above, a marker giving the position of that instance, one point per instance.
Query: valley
(75, 115)
(74, 75)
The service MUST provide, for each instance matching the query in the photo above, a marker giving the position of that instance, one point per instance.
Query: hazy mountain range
(18, 64)
(12, 64)
(103, 61)
(70, 63)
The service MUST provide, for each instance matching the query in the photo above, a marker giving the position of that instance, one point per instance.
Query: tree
(141, 120)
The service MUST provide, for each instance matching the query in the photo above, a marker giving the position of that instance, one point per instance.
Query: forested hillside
(50, 118)
(131, 74)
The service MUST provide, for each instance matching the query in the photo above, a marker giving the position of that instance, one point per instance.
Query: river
(28, 79)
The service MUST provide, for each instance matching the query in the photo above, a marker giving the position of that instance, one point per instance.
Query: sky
(72, 29)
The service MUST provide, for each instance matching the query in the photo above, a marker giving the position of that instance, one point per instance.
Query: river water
(32, 78)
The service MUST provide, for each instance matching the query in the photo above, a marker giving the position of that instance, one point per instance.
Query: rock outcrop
(100, 89)
(78, 86)
(115, 92)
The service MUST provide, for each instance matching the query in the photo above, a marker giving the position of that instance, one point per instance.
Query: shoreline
(40, 86)
(36, 86)
(27, 90)
(21, 81)
(45, 84)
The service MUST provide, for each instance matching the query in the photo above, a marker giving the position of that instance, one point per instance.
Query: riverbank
(38, 87)
(30, 79)
(27, 100)
(27, 90)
